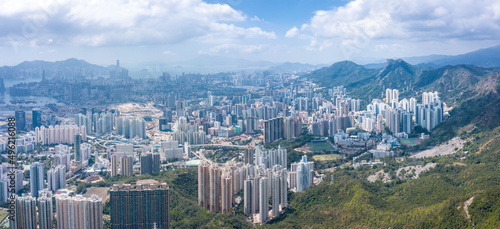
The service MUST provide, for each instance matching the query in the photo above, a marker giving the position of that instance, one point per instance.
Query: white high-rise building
(79, 212)
(263, 200)
(304, 174)
(56, 178)
(45, 211)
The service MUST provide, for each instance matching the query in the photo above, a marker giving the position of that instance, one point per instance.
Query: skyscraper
(94, 208)
(273, 130)
(79, 212)
(56, 178)
(45, 211)
(304, 171)
(203, 184)
(37, 118)
(127, 164)
(146, 163)
(249, 155)
(226, 191)
(36, 178)
(114, 165)
(4, 188)
(25, 212)
(263, 200)
(140, 206)
(77, 146)
(20, 120)
(150, 163)
(215, 187)
(156, 163)
(247, 197)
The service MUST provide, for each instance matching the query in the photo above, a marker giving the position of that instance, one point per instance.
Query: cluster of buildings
(71, 212)
(59, 134)
(131, 127)
(122, 165)
(344, 114)
(150, 163)
(281, 128)
(5, 181)
(24, 143)
(21, 120)
(108, 121)
(333, 116)
(263, 175)
(189, 132)
(217, 185)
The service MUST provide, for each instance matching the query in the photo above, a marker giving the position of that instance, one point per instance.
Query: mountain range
(450, 81)
(489, 57)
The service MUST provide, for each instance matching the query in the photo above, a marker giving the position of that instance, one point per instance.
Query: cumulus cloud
(362, 20)
(292, 32)
(120, 22)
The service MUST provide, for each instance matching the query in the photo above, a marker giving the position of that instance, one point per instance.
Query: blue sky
(173, 31)
(281, 15)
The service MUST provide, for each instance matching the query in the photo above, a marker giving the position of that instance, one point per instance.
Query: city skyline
(249, 114)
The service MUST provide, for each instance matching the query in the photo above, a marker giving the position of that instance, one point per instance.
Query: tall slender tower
(77, 146)
(45, 211)
(36, 178)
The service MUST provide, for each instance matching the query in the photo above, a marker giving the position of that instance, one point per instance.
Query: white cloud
(292, 32)
(255, 18)
(120, 22)
(168, 53)
(361, 21)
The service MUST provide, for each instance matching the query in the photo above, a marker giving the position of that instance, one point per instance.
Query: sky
(307, 31)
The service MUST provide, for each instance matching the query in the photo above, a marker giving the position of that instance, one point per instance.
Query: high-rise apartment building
(77, 146)
(45, 211)
(56, 178)
(140, 206)
(36, 178)
(79, 212)
(150, 163)
(303, 173)
(273, 130)
(25, 213)
(114, 165)
(20, 120)
(127, 163)
(36, 118)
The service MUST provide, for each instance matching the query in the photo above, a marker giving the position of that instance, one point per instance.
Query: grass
(410, 141)
(326, 157)
(320, 146)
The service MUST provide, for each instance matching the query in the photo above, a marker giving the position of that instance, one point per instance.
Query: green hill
(436, 199)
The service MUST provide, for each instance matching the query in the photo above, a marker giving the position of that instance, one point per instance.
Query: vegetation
(184, 209)
(436, 199)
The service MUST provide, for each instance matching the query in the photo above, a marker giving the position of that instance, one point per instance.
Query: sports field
(100, 192)
(320, 146)
(326, 157)
(410, 141)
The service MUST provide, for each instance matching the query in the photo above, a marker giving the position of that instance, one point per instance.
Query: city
(255, 138)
